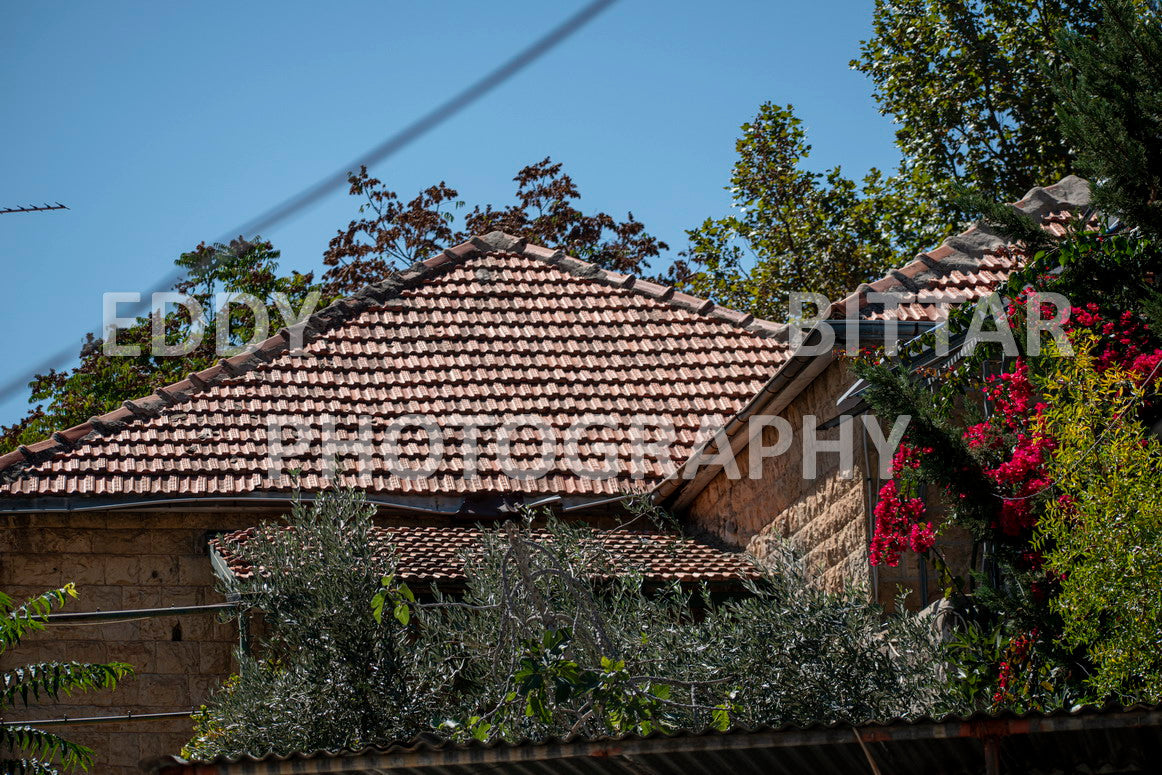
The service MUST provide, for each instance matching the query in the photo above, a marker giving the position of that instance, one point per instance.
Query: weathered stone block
(124, 570)
(178, 658)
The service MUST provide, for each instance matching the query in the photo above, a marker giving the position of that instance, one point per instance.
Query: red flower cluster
(1021, 474)
(981, 435)
(898, 525)
(907, 458)
(1016, 427)
(1012, 395)
(1004, 676)
(1017, 652)
(1125, 343)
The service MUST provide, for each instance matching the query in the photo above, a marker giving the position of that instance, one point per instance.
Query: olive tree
(550, 635)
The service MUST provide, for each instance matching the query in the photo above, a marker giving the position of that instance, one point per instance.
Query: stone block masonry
(827, 517)
(124, 560)
(824, 517)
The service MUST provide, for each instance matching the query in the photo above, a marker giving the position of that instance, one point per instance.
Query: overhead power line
(32, 208)
(295, 205)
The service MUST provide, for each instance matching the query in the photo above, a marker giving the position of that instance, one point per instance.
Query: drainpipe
(244, 633)
(923, 569)
(870, 491)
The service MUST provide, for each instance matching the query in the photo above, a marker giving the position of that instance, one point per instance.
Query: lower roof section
(432, 554)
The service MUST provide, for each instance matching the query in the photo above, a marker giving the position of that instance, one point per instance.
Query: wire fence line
(298, 203)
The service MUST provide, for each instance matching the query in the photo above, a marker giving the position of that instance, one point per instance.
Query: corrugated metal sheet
(1109, 740)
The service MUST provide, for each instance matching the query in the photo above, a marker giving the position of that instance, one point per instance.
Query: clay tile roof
(492, 328)
(968, 266)
(428, 555)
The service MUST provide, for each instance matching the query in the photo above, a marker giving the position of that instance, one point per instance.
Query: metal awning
(1117, 740)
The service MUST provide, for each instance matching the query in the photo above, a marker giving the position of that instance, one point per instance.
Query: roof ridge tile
(967, 250)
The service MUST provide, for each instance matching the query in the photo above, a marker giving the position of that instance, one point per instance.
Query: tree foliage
(393, 233)
(1104, 537)
(328, 674)
(550, 636)
(545, 213)
(973, 86)
(968, 84)
(24, 748)
(390, 234)
(1109, 102)
(793, 229)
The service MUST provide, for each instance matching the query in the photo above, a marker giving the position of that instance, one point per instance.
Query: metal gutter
(81, 506)
(89, 720)
(875, 330)
(258, 501)
(597, 503)
(131, 614)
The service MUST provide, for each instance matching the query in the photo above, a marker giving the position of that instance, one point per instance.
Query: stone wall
(826, 517)
(823, 517)
(124, 560)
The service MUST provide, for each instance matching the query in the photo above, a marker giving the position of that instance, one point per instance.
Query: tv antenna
(32, 208)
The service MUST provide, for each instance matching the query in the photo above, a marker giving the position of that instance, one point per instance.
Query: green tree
(1104, 537)
(101, 382)
(968, 83)
(26, 750)
(1109, 103)
(794, 229)
(328, 674)
(971, 86)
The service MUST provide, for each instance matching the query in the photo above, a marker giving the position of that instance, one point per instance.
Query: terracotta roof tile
(970, 265)
(435, 555)
(492, 328)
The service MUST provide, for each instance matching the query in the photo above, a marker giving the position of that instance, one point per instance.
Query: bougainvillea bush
(1049, 463)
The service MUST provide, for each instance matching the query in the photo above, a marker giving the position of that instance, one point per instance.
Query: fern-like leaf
(16, 622)
(45, 747)
(50, 679)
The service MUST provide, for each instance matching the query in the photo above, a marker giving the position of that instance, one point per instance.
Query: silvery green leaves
(548, 635)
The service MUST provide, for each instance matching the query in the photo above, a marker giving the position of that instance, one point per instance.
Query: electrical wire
(295, 205)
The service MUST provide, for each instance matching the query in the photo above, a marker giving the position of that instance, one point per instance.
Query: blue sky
(161, 125)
